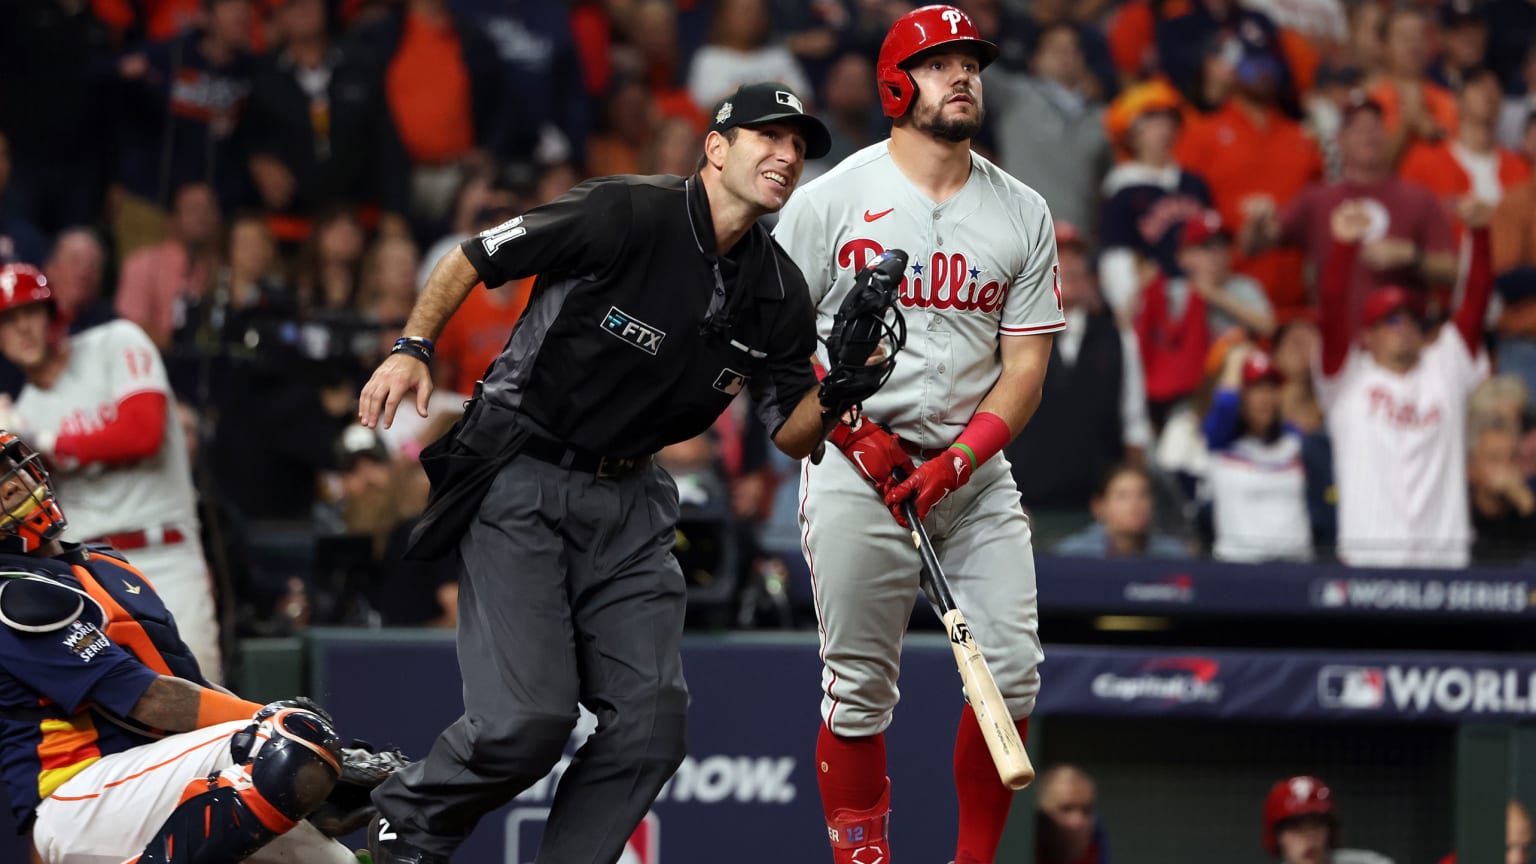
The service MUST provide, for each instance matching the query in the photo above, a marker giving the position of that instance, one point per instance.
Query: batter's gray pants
(568, 593)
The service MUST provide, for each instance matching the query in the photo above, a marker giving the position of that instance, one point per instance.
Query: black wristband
(413, 350)
(420, 341)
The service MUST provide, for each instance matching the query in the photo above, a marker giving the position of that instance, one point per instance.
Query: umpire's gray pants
(568, 593)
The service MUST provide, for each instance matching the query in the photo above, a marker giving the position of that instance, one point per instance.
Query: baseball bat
(997, 728)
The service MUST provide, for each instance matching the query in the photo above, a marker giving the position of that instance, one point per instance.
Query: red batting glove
(874, 452)
(929, 484)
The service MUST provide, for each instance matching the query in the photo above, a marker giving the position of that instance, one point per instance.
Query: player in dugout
(1301, 825)
(115, 747)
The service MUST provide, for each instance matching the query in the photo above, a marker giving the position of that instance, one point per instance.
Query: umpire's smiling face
(763, 164)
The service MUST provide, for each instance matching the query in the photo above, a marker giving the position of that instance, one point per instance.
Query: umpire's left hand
(395, 378)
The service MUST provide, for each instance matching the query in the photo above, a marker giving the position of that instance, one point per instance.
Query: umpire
(658, 299)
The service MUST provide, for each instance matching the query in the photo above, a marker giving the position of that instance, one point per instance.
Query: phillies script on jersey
(947, 281)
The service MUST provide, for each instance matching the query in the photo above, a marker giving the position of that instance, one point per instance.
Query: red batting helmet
(1294, 797)
(34, 518)
(916, 32)
(23, 285)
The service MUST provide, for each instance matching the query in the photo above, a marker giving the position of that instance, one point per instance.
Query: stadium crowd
(262, 186)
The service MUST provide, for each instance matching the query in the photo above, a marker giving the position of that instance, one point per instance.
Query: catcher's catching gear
(866, 321)
(348, 808)
(867, 318)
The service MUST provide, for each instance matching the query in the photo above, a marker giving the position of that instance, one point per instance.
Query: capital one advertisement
(747, 791)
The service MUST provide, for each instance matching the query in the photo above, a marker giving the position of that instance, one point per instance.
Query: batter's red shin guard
(861, 836)
(855, 795)
(984, 800)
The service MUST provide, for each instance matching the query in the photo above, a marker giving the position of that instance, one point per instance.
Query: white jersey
(107, 364)
(1399, 455)
(1259, 501)
(981, 265)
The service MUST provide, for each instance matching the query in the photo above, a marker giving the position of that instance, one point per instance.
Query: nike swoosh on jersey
(870, 217)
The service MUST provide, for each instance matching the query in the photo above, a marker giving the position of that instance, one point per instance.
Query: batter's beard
(954, 131)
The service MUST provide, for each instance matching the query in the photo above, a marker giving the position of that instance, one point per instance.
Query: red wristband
(984, 437)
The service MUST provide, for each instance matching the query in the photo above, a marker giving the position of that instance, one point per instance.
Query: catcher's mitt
(349, 808)
(867, 318)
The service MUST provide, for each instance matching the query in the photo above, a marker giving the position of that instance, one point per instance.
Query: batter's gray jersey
(981, 265)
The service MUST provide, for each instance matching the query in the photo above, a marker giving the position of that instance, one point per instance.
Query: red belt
(921, 453)
(163, 535)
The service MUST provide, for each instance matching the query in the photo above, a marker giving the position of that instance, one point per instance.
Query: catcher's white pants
(108, 812)
(865, 573)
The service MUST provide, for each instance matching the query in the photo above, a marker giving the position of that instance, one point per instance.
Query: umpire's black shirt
(638, 334)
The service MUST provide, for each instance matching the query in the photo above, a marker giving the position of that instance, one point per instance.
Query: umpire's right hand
(395, 378)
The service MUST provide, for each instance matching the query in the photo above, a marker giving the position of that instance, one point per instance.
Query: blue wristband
(422, 341)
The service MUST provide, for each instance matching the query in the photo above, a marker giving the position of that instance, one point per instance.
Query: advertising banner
(747, 791)
(748, 787)
(1171, 586)
(1302, 686)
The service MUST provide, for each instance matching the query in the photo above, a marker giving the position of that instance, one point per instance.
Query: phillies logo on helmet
(913, 33)
(947, 281)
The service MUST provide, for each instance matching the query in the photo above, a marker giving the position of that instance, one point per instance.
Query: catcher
(115, 747)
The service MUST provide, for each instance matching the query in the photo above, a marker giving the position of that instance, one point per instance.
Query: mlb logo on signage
(525, 827)
(1355, 687)
(1330, 593)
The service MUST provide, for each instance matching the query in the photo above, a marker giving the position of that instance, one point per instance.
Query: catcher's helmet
(1297, 796)
(23, 285)
(33, 518)
(913, 33)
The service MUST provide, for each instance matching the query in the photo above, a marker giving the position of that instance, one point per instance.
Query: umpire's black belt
(555, 453)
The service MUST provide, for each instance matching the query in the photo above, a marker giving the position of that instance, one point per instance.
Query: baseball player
(1301, 825)
(981, 301)
(114, 747)
(100, 409)
(1396, 404)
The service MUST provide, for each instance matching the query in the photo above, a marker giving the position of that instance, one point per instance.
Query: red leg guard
(855, 796)
(861, 836)
(984, 800)
(849, 771)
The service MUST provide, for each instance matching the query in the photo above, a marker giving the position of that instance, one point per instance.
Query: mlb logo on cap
(759, 104)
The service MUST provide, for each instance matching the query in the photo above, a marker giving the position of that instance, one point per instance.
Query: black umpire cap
(758, 104)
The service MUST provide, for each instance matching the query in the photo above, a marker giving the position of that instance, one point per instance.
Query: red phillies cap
(1258, 367)
(1383, 301)
(1202, 229)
